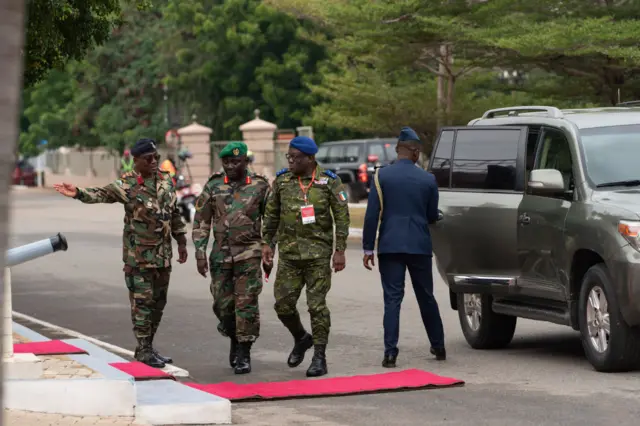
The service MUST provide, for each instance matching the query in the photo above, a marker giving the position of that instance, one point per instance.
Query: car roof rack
(628, 103)
(552, 112)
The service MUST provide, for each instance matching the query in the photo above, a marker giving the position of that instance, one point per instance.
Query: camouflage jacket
(235, 210)
(283, 216)
(151, 217)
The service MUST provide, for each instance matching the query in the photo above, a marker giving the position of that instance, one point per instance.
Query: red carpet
(50, 347)
(141, 371)
(394, 381)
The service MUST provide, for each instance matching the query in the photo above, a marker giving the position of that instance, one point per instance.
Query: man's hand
(339, 261)
(203, 267)
(267, 254)
(368, 258)
(182, 253)
(66, 189)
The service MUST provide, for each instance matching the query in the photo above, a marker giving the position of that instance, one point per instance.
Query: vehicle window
(441, 163)
(390, 149)
(351, 153)
(377, 149)
(555, 153)
(485, 159)
(532, 144)
(611, 153)
(322, 154)
(334, 154)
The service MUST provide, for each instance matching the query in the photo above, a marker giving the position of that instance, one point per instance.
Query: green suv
(540, 219)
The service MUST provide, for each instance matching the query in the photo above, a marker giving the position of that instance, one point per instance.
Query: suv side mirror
(546, 182)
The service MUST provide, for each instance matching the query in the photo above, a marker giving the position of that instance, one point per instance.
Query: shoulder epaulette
(281, 172)
(257, 176)
(330, 174)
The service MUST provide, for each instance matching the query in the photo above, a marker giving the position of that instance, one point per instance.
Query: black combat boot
(318, 365)
(165, 359)
(144, 354)
(302, 340)
(233, 355)
(243, 363)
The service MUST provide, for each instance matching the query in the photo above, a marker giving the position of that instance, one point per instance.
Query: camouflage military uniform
(151, 218)
(305, 250)
(235, 210)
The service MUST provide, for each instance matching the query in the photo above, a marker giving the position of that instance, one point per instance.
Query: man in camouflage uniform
(299, 211)
(151, 219)
(233, 202)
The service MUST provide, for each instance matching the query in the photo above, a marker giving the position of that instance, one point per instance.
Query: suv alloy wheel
(483, 328)
(609, 343)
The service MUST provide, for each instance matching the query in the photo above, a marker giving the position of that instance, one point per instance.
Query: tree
(11, 43)
(62, 30)
(238, 55)
(387, 53)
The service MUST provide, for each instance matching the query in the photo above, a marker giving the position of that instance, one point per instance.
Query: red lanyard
(306, 189)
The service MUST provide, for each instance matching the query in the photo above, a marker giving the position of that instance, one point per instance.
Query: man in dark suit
(409, 205)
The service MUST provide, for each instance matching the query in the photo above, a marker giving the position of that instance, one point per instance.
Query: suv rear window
(485, 159)
(343, 153)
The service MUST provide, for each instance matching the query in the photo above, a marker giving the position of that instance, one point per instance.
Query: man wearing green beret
(233, 203)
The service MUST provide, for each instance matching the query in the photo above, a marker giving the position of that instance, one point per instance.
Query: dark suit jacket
(410, 205)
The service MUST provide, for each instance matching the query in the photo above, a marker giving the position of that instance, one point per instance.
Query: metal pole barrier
(22, 254)
(16, 256)
(7, 329)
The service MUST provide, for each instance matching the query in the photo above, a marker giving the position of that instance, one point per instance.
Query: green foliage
(63, 30)
(238, 55)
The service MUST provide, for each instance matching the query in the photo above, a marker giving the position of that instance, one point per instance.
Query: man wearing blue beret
(299, 211)
(402, 203)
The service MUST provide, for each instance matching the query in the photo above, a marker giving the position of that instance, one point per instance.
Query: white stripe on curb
(169, 369)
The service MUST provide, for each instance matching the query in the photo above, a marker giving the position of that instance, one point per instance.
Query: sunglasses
(150, 157)
(295, 158)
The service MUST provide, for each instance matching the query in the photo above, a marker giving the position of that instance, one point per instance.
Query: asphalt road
(541, 379)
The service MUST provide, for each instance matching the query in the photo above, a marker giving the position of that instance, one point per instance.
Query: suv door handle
(524, 219)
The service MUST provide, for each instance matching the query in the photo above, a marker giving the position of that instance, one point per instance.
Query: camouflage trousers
(148, 296)
(235, 288)
(291, 277)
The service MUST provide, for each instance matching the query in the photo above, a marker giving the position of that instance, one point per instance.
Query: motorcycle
(187, 192)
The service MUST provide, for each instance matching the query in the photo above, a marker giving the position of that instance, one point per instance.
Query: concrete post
(7, 316)
(197, 139)
(258, 135)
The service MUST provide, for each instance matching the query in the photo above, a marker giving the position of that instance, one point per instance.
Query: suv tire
(622, 349)
(495, 331)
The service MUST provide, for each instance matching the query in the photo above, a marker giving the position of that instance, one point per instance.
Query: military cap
(234, 149)
(407, 134)
(143, 146)
(304, 144)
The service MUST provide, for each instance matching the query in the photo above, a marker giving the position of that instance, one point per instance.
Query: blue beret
(407, 134)
(304, 144)
(143, 146)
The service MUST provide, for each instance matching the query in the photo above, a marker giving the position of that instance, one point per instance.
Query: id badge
(308, 215)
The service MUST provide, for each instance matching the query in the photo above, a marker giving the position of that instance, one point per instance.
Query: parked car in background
(24, 174)
(355, 161)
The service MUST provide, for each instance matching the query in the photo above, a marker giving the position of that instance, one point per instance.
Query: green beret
(234, 149)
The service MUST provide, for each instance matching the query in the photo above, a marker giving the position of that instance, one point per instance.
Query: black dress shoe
(389, 361)
(440, 353)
